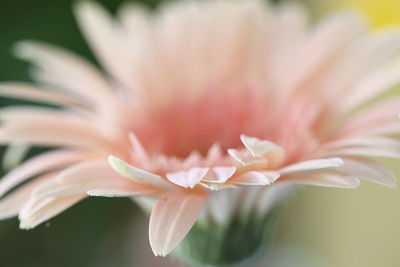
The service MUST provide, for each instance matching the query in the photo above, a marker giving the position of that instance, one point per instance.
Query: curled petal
(36, 212)
(137, 175)
(188, 178)
(219, 174)
(258, 147)
(244, 158)
(11, 204)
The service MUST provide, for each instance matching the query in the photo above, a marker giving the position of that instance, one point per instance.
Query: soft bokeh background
(321, 228)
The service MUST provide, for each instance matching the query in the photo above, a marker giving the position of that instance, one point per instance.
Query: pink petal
(100, 32)
(217, 186)
(171, 219)
(364, 141)
(214, 154)
(369, 170)
(47, 209)
(87, 169)
(63, 69)
(57, 129)
(336, 32)
(138, 150)
(324, 179)
(219, 174)
(372, 86)
(255, 178)
(311, 165)
(42, 163)
(11, 204)
(244, 158)
(366, 152)
(258, 147)
(33, 93)
(138, 175)
(86, 176)
(188, 178)
(58, 189)
(120, 191)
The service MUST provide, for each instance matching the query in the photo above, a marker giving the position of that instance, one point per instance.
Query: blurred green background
(322, 227)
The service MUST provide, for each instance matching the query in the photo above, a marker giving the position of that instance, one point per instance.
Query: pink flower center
(220, 116)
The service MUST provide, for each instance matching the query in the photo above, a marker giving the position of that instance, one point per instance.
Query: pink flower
(201, 96)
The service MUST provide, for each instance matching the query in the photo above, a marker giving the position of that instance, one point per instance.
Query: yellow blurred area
(378, 12)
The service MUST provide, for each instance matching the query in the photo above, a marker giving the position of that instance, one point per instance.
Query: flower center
(185, 124)
(219, 116)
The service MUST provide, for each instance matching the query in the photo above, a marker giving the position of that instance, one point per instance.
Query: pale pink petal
(193, 160)
(51, 131)
(45, 162)
(216, 186)
(244, 158)
(138, 175)
(216, 156)
(311, 165)
(369, 170)
(288, 34)
(139, 152)
(371, 87)
(255, 178)
(358, 61)
(59, 189)
(171, 219)
(219, 174)
(33, 93)
(324, 179)
(31, 206)
(48, 209)
(336, 32)
(105, 39)
(87, 169)
(390, 129)
(188, 178)
(14, 116)
(69, 72)
(120, 191)
(364, 141)
(11, 204)
(85, 176)
(381, 112)
(366, 152)
(258, 147)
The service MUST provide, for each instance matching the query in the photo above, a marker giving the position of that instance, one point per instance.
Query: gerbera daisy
(208, 110)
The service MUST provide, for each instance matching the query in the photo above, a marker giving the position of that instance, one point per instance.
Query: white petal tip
(188, 179)
(258, 147)
(107, 193)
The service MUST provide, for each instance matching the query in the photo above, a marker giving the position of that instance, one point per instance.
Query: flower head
(197, 98)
